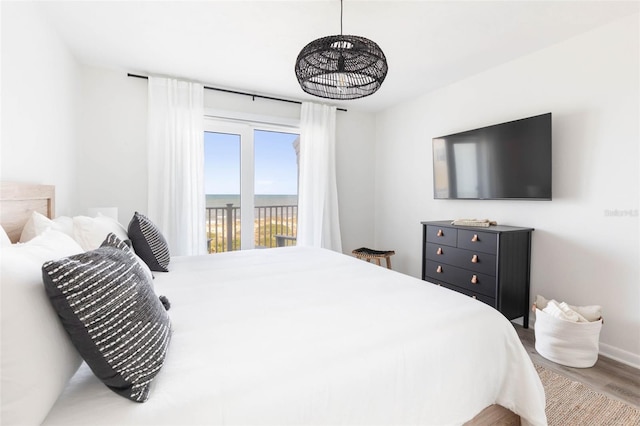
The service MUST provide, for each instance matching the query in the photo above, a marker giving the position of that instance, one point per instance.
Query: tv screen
(504, 161)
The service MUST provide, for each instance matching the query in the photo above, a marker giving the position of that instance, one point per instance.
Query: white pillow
(38, 358)
(90, 232)
(38, 223)
(4, 238)
(64, 224)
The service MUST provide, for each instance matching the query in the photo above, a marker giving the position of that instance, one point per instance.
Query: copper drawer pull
(439, 251)
(475, 238)
(474, 259)
(439, 269)
(474, 279)
(440, 233)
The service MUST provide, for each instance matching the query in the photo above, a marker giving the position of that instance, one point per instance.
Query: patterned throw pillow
(149, 243)
(113, 241)
(107, 305)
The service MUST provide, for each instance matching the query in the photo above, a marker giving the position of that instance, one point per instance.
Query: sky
(276, 169)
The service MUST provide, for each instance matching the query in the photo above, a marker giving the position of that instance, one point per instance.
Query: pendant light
(341, 66)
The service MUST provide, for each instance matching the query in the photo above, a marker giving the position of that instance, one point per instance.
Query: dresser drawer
(490, 264)
(473, 260)
(442, 235)
(481, 297)
(486, 242)
(472, 281)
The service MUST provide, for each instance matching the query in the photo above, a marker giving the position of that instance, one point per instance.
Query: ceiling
(252, 45)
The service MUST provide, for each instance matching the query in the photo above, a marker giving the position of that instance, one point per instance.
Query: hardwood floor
(609, 377)
(612, 378)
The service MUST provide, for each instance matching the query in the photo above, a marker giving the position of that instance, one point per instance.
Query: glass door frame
(246, 131)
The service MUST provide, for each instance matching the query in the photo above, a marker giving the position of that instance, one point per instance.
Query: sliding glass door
(275, 188)
(251, 184)
(222, 189)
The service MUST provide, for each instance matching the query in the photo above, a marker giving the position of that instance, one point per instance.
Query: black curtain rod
(235, 92)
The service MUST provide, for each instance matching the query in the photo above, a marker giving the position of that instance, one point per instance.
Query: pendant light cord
(341, 11)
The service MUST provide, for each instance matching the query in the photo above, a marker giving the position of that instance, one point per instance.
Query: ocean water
(261, 200)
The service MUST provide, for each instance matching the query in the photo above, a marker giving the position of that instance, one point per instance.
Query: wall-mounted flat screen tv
(504, 161)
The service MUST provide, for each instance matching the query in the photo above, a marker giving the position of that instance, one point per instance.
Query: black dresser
(489, 264)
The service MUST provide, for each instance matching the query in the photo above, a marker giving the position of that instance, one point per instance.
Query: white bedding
(294, 336)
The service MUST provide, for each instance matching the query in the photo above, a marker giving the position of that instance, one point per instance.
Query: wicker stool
(368, 254)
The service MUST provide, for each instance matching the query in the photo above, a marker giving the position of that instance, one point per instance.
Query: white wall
(39, 87)
(581, 254)
(355, 152)
(247, 106)
(112, 143)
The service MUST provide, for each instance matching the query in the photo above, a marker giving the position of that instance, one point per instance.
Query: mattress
(297, 335)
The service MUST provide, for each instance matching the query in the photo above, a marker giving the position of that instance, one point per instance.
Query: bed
(298, 335)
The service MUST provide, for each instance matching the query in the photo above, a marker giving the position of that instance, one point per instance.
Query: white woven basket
(574, 344)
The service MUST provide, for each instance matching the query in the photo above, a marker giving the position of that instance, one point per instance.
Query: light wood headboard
(19, 200)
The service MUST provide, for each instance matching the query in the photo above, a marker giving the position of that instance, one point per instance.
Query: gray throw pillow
(149, 243)
(115, 320)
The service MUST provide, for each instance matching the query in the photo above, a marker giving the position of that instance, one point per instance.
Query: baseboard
(620, 355)
(608, 351)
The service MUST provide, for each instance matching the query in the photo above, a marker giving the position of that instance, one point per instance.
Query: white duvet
(297, 336)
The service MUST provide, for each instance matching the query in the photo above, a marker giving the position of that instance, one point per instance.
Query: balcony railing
(273, 226)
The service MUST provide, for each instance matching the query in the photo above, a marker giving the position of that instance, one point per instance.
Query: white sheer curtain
(176, 163)
(318, 222)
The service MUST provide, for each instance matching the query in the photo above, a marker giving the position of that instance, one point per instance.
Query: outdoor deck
(272, 225)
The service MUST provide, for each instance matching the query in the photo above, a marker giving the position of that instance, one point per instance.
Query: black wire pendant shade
(341, 67)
